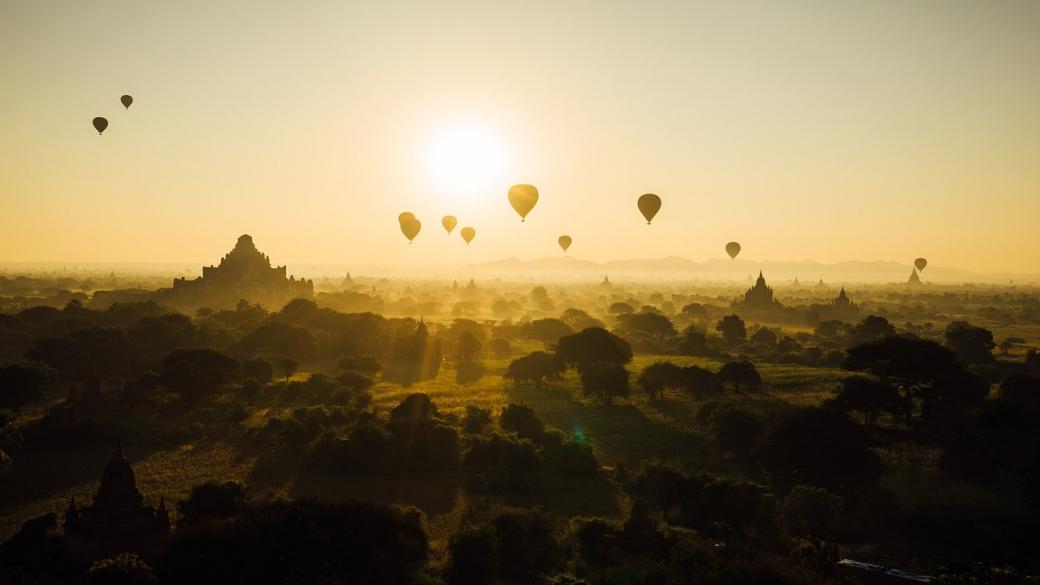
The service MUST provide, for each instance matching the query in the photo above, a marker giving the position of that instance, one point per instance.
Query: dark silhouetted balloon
(920, 263)
(405, 216)
(523, 198)
(468, 234)
(565, 242)
(649, 205)
(100, 124)
(126, 100)
(733, 249)
(410, 227)
(449, 222)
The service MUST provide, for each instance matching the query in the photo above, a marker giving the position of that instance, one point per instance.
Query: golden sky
(804, 129)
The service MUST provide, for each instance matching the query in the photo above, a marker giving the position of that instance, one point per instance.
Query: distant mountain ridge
(805, 270)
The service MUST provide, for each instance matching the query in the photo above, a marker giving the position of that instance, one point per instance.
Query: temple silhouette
(118, 521)
(243, 273)
(842, 308)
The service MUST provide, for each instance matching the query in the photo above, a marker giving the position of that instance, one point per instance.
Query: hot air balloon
(920, 263)
(468, 234)
(565, 242)
(410, 228)
(100, 124)
(733, 249)
(405, 216)
(126, 100)
(523, 198)
(449, 222)
(649, 205)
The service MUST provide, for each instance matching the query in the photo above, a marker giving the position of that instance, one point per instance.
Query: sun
(465, 159)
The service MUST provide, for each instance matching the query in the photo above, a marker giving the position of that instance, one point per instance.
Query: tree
(693, 342)
(973, 345)
(652, 324)
(695, 311)
(765, 337)
(501, 347)
(1021, 389)
(196, 372)
(810, 511)
(866, 395)
(212, 501)
(520, 419)
(469, 345)
(257, 369)
(281, 338)
(605, 380)
(833, 331)
(732, 328)
(699, 381)
(23, 383)
(620, 308)
(287, 366)
(819, 446)
(578, 319)
(872, 328)
(159, 335)
(593, 345)
(739, 374)
(548, 331)
(660, 375)
(735, 430)
(909, 363)
(535, 368)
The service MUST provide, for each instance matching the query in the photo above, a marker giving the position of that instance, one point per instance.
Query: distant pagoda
(914, 278)
(243, 273)
(118, 521)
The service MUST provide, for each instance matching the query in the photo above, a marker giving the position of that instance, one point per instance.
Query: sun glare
(465, 159)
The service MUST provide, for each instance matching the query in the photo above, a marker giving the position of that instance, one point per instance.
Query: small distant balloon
(523, 198)
(565, 242)
(649, 205)
(920, 263)
(449, 222)
(405, 216)
(410, 228)
(126, 100)
(733, 249)
(100, 124)
(468, 234)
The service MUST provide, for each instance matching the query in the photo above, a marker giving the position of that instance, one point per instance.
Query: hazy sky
(826, 130)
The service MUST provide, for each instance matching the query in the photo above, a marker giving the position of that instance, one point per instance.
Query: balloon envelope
(565, 242)
(733, 249)
(468, 234)
(449, 222)
(405, 216)
(100, 124)
(649, 205)
(410, 228)
(920, 263)
(126, 100)
(523, 198)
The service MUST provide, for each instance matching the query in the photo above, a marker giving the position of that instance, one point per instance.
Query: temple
(243, 273)
(840, 309)
(759, 297)
(118, 521)
(914, 278)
